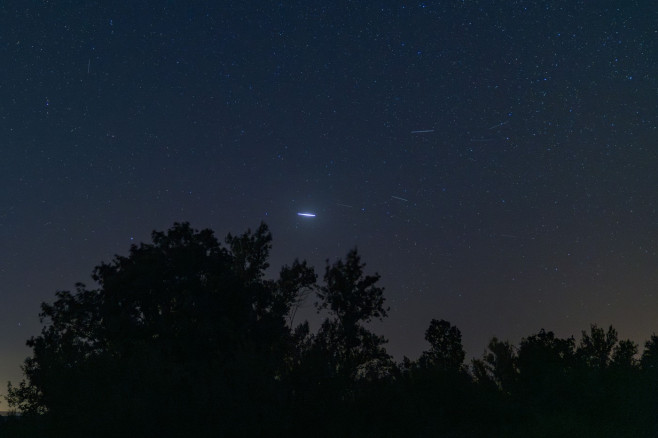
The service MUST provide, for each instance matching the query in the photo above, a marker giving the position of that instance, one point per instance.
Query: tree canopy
(446, 351)
(180, 325)
(187, 336)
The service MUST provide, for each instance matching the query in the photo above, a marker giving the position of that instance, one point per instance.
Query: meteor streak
(306, 214)
(398, 198)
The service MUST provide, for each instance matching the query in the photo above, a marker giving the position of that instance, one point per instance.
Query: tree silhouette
(446, 351)
(648, 382)
(352, 299)
(546, 370)
(185, 336)
(542, 352)
(498, 365)
(182, 328)
(649, 360)
(623, 355)
(595, 349)
(334, 364)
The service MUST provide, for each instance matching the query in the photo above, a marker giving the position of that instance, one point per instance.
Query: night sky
(495, 161)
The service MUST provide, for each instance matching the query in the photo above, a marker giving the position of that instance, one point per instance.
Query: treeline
(187, 337)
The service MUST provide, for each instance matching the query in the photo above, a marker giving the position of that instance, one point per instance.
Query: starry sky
(495, 161)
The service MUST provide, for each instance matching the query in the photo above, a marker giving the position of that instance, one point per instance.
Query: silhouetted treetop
(595, 348)
(446, 351)
(624, 354)
(649, 360)
(544, 350)
(179, 307)
(498, 365)
(186, 336)
(352, 299)
(250, 252)
(350, 295)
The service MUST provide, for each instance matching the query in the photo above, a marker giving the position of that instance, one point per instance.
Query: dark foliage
(186, 337)
(446, 352)
(183, 335)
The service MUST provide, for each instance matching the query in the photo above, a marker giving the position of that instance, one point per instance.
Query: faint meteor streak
(499, 124)
(306, 214)
(422, 131)
(401, 199)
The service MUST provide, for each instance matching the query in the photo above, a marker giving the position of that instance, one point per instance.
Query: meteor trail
(499, 124)
(422, 131)
(401, 199)
(306, 214)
